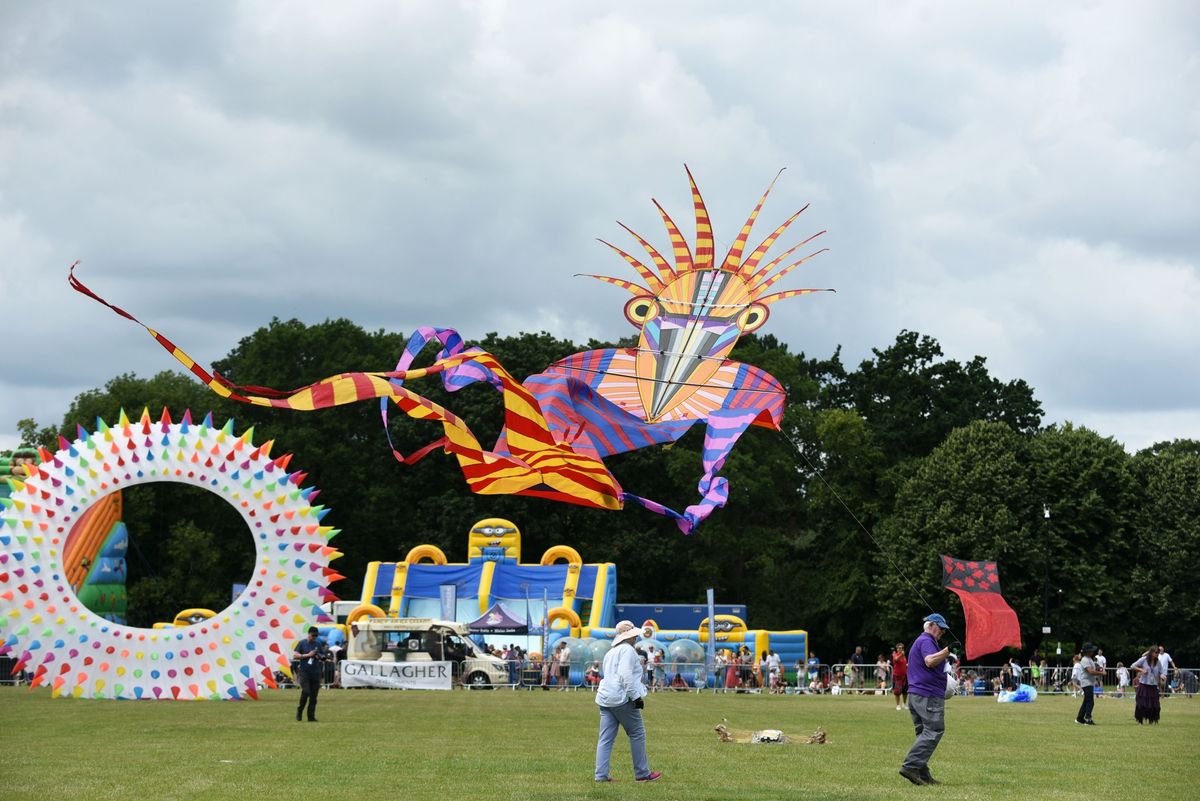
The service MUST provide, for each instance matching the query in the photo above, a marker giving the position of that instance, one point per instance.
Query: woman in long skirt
(1146, 707)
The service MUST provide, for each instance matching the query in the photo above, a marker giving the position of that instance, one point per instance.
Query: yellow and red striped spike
(652, 280)
(704, 234)
(790, 293)
(679, 246)
(767, 284)
(664, 270)
(760, 251)
(733, 261)
(628, 286)
(755, 281)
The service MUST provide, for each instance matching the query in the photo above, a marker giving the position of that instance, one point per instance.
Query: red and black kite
(991, 622)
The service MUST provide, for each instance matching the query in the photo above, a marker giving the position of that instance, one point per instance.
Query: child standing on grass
(1122, 679)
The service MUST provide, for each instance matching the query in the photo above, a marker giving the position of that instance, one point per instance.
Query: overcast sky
(1017, 180)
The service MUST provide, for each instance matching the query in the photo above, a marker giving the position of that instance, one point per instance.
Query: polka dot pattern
(79, 654)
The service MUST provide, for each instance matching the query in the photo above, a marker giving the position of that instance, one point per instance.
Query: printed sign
(397, 675)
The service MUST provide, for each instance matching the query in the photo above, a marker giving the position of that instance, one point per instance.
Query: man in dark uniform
(311, 654)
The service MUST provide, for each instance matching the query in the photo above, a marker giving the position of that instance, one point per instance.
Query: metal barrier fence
(992, 679)
(974, 680)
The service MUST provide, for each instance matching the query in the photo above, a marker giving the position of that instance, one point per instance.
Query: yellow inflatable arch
(361, 611)
(430, 552)
(558, 552)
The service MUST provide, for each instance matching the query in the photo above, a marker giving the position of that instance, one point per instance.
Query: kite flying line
(817, 472)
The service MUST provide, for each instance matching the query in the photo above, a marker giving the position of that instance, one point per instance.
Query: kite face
(692, 313)
(687, 333)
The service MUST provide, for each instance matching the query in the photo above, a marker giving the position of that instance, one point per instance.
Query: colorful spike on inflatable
(81, 655)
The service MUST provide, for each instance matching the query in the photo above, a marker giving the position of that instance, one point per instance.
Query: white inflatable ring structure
(64, 645)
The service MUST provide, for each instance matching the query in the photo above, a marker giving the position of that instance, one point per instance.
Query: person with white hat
(620, 697)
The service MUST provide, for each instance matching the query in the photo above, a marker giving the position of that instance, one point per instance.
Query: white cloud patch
(1015, 180)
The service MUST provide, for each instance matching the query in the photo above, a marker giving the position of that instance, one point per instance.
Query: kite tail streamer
(534, 464)
(556, 456)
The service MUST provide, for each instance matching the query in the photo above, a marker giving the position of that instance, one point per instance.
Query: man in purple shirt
(926, 699)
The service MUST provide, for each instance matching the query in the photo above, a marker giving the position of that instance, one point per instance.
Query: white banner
(397, 675)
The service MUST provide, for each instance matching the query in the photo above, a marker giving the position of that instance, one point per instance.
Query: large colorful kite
(991, 622)
(561, 423)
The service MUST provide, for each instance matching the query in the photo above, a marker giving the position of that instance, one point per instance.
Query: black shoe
(297, 717)
(912, 775)
(312, 720)
(1090, 722)
(927, 777)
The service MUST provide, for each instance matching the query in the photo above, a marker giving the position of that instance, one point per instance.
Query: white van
(423, 639)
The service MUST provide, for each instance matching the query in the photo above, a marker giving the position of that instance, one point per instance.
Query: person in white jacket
(620, 698)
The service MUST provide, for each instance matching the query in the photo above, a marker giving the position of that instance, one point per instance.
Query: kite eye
(753, 318)
(641, 309)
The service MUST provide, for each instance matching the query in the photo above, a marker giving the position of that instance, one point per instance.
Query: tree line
(833, 525)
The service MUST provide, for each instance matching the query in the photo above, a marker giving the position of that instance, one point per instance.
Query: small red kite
(991, 622)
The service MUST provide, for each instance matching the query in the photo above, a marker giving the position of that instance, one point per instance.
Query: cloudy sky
(1017, 180)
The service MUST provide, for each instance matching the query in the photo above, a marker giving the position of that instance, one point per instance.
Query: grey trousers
(630, 718)
(929, 719)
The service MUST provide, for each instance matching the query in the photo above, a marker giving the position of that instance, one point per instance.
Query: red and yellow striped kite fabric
(535, 463)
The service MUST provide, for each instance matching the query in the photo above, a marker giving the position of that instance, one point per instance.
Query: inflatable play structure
(94, 560)
(559, 586)
(65, 645)
(17, 464)
(577, 600)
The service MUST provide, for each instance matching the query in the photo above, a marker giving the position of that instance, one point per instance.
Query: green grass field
(540, 745)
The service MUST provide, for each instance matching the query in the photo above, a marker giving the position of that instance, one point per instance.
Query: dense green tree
(34, 436)
(1164, 583)
(1088, 484)
(195, 573)
(968, 498)
(912, 398)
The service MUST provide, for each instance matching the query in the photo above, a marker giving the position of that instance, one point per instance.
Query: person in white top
(564, 667)
(1165, 664)
(621, 698)
(1090, 679)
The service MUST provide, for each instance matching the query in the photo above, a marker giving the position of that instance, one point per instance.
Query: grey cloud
(453, 163)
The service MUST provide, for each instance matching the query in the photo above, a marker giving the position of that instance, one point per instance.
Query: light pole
(1046, 572)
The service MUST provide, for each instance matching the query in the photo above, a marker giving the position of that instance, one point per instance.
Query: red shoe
(654, 775)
